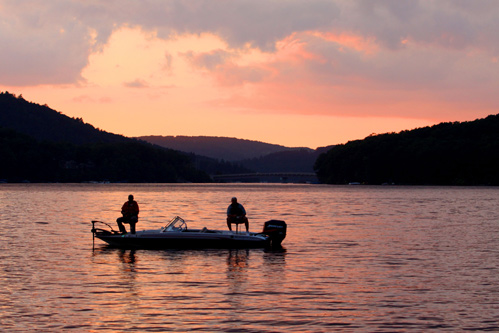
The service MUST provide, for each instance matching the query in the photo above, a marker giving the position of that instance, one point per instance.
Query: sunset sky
(291, 72)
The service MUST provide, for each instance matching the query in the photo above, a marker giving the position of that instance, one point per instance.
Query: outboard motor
(276, 230)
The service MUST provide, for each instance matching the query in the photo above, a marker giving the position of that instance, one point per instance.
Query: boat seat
(237, 225)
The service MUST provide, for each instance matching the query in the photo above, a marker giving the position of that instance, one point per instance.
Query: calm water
(355, 259)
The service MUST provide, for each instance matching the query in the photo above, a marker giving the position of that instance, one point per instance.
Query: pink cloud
(331, 57)
(332, 74)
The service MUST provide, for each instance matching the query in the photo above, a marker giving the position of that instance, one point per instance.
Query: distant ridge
(213, 155)
(299, 160)
(222, 148)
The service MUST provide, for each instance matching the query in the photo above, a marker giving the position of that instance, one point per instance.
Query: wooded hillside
(39, 144)
(221, 148)
(45, 124)
(446, 154)
(254, 156)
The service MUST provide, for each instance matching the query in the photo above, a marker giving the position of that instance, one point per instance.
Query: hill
(252, 156)
(445, 154)
(221, 148)
(26, 159)
(42, 145)
(45, 124)
(296, 160)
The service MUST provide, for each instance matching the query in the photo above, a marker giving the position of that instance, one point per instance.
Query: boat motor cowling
(276, 230)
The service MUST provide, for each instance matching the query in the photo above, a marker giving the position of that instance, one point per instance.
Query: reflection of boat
(176, 235)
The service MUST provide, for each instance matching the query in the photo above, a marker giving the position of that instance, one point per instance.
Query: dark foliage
(42, 145)
(217, 167)
(446, 154)
(300, 160)
(45, 124)
(28, 159)
(230, 155)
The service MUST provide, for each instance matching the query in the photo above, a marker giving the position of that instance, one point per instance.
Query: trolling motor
(276, 230)
(101, 231)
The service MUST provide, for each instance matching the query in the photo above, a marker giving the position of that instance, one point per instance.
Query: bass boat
(176, 235)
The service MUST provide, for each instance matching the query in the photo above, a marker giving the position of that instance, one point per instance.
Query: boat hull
(182, 240)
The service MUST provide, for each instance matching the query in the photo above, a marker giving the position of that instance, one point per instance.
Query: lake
(356, 258)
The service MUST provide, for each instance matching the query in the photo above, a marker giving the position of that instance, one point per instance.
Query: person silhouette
(236, 214)
(130, 212)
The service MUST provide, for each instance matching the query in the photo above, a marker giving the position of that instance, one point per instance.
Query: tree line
(445, 154)
(26, 159)
(39, 144)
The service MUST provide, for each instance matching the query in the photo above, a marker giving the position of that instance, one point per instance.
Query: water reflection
(237, 260)
(127, 257)
(237, 275)
(364, 259)
(173, 261)
(275, 258)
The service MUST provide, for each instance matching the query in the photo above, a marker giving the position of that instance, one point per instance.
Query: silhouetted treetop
(451, 153)
(45, 124)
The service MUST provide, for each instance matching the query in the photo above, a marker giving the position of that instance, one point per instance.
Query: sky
(299, 73)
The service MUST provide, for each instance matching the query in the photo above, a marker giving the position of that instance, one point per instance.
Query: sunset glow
(297, 73)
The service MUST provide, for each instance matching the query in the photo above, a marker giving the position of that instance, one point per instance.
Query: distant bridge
(279, 177)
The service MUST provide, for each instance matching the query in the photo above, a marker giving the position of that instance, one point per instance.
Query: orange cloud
(347, 75)
(357, 42)
(206, 68)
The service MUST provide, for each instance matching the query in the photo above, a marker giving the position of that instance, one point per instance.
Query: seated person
(236, 214)
(130, 212)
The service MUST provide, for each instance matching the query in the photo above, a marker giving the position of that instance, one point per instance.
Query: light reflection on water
(355, 259)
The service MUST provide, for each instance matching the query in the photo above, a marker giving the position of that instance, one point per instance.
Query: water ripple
(355, 259)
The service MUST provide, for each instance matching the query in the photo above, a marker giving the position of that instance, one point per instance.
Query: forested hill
(299, 160)
(39, 144)
(222, 148)
(45, 124)
(456, 153)
(255, 156)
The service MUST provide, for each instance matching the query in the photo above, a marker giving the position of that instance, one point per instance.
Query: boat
(176, 234)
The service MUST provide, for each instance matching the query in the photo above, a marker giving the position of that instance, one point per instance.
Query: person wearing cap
(130, 212)
(236, 214)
